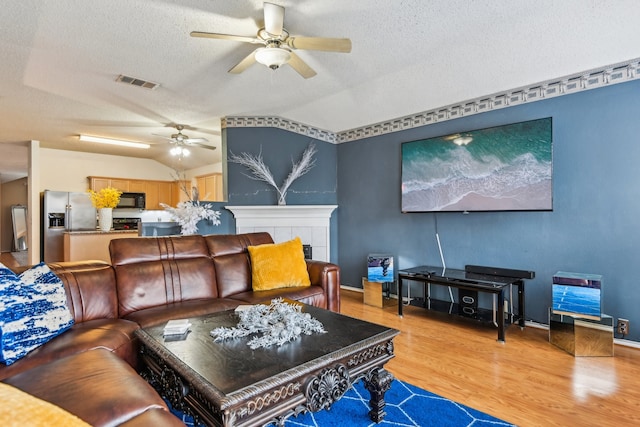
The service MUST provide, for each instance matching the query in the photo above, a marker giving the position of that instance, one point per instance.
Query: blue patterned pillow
(33, 310)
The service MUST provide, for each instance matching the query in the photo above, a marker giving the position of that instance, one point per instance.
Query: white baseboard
(626, 343)
(352, 288)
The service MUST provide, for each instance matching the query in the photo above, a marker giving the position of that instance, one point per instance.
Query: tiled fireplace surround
(310, 222)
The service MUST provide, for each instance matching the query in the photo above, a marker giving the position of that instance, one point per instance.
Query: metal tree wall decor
(261, 172)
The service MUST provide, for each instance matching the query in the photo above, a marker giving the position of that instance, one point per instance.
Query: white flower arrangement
(261, 172)
(189, 213)
(277, 323)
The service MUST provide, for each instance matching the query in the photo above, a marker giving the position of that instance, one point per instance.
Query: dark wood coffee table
(229, 384)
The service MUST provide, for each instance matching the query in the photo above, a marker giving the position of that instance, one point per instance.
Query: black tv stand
(474, 278)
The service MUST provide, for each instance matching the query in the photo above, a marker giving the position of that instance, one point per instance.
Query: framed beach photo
(502, 168)
(380, 268)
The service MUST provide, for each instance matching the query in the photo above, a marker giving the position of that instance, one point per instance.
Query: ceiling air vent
(137, 82)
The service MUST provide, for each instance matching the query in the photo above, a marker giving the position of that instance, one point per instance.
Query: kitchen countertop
(102, 232)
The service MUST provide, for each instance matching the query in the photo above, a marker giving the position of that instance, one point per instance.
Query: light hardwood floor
(526, 380)
(8, 260)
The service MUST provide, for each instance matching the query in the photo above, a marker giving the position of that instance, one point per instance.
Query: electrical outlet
(623, 326)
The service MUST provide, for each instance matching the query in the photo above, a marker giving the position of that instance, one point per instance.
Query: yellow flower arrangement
(106, 198)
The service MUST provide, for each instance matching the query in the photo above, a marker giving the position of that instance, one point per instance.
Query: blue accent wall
(280, 149)
(594, 226)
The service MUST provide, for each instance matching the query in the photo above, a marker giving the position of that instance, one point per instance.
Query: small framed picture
(380, 268)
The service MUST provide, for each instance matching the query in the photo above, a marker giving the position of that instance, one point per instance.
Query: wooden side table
(374, 292)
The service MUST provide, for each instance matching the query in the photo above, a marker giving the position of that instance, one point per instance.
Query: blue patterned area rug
(406, 405)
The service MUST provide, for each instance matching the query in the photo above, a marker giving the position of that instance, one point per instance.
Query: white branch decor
(190, 212)
(261, 172)
(277, 323)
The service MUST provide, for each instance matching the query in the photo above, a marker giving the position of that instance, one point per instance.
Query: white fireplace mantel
(310, 222)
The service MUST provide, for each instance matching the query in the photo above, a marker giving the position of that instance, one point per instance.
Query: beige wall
(68, 170)
(205, 170)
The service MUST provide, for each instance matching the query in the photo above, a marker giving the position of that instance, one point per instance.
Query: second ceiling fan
(182, 141)
(279, 45)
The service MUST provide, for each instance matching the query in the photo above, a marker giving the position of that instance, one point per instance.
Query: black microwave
(132, 201)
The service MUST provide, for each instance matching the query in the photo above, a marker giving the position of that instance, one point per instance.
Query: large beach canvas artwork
(503, 168)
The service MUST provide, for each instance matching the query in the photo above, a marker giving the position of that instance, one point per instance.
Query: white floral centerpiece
(190, 212)
(274, 324)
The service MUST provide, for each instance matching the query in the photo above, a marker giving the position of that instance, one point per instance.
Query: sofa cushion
(21, 409)
(152, 272)
(96, 385)
(312, 295)
(181, 310)
(33, 310)
(231, 259)
(115, 335)
(278, 265)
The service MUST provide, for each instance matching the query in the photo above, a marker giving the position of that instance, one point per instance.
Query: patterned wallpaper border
(613, 74)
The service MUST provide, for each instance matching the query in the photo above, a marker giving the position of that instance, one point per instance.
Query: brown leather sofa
(90, 370)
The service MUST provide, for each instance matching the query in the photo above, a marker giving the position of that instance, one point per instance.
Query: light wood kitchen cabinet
(97, 183)
(156, 191)
(137, 186)
(120, 184)
(210, 187)
(180, 192)
(165, 192)
(152, 200)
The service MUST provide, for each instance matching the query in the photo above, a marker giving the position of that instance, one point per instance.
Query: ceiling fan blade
(225, 37)
(301, 67)
(320, 43)
(248, 61)
(273, 18)
(163, 137)
(197, 144)
(195, 140)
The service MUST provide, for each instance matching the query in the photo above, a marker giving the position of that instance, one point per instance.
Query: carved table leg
(377, 381)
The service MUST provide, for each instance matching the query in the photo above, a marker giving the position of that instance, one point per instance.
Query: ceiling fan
(279, 45)
(182, 141)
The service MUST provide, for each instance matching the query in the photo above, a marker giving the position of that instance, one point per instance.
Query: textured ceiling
(60, 60)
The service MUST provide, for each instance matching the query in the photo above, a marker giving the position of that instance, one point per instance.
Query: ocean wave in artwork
(460, 181)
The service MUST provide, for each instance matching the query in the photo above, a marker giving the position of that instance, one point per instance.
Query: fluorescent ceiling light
(89, 138)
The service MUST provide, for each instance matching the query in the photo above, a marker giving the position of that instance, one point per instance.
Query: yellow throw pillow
(278, 265)
(22, 409)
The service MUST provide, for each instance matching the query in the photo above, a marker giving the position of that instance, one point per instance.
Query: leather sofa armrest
(327, 276)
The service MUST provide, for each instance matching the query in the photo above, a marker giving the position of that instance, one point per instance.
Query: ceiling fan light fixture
(179, 151)
(273, 57)
(111, 141)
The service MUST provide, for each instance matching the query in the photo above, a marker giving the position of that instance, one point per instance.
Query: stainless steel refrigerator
(64, 211)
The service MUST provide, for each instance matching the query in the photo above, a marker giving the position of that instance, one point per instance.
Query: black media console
(473, 279)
